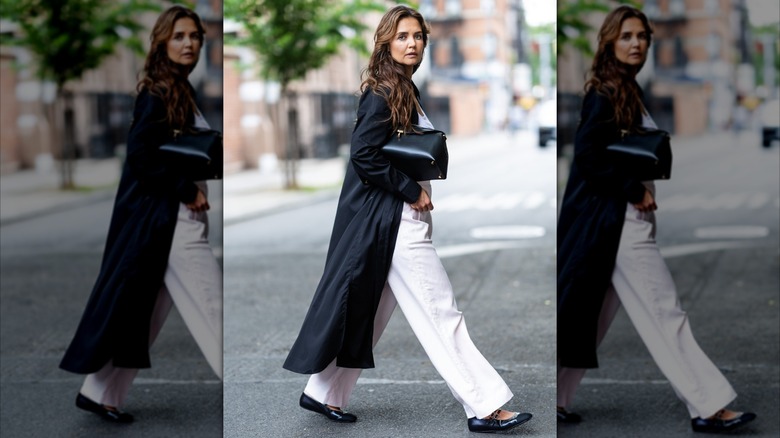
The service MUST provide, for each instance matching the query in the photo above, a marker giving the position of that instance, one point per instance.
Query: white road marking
(474, 248)
(731, 232)
(508, 232)
(696, 248)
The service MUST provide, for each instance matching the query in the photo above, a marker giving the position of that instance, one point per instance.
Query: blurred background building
(102, 100)
(710, 67)
(477, 67)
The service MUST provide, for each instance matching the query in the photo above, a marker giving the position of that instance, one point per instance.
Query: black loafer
(112, 415)
(331, 414)
(490, 425)
(716, 424)
(565, 416)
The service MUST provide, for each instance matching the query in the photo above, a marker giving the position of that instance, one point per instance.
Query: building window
(712, 7)
(456, 58)
(488, 6)
(651, 9)
(677, 7)
(490, 46)
(713, 45)
(452, 7)
(680, 57)
(428, 9)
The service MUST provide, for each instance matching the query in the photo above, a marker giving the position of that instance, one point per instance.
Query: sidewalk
(246, 194)
(27, 193)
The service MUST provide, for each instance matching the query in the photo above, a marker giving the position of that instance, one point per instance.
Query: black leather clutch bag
(645, 154)
(196, 154)
(420, 154)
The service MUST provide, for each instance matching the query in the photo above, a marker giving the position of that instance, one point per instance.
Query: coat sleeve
(595, 133)
(372, 130)
(147, 133)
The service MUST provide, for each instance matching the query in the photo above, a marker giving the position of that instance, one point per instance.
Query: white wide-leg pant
(193, 281)
(642, 283)
(418, 283)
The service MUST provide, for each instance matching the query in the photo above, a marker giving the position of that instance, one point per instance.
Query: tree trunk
(68, 140)
(292, 148)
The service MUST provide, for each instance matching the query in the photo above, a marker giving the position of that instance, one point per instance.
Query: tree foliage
(293, 37)
(70, 37)
(67, 38)
(573, 27)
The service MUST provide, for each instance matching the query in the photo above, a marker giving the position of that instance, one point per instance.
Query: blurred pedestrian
(381, 255)
(607, 254)
(157, 253)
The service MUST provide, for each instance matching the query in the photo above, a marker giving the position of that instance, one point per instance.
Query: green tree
(573, 27)
(68, 38)
(294, 37)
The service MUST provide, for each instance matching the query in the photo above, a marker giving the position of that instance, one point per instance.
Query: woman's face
(632, 43)
(407, 45)
(184, 45)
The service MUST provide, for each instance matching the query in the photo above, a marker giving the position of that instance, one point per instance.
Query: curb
(316, 198)
(93, 198)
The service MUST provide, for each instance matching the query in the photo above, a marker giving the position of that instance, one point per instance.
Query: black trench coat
(589, 228)
(340, 320)
(115, 323)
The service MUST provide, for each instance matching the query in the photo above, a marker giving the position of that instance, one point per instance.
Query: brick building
(465, 83)
(690, 74)
(102, 99)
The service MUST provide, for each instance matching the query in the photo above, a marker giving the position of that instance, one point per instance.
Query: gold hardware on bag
(400, 133)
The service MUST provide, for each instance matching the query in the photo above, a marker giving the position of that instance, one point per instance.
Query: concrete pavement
(731, 296)
(246, 194)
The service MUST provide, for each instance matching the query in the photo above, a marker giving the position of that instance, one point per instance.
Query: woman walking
(381, 255)
(157, 253)
(607, 254)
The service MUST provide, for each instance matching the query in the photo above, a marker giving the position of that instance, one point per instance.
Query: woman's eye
(418, 37)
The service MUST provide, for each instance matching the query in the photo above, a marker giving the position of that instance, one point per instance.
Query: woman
(381, 254)
(607, 253)
(157, 252)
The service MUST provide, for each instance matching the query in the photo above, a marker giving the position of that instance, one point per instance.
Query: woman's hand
(647, 203)
(423, 203)
(200, 203)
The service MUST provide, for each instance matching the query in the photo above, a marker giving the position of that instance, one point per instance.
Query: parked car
(547, 118)
(770, 122)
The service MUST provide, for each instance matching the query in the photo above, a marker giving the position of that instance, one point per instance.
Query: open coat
(340, 320)
(115, 324)
(589, 228)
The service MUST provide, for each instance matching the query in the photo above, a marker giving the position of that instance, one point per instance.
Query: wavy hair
(166, 79)
(612, 78)
(386, 77)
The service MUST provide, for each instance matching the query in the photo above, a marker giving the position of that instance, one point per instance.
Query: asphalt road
(494, 222)
(49, 264)
(718, 222)
(494, 229)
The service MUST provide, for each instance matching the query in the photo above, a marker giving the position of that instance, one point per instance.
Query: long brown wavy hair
(612, 78)
(386, 77)
(165, 78)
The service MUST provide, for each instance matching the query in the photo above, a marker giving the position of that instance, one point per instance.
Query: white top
(422, 120)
